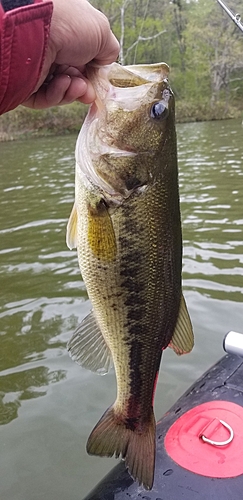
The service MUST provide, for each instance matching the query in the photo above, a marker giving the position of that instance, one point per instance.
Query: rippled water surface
(48, 404)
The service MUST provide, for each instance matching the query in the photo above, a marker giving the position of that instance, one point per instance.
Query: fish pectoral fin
(71, 234)
(88, 347)
(112, 436)
(182, 341)
(101, 236)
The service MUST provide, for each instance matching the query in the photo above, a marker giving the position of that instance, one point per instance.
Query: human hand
(79, 34)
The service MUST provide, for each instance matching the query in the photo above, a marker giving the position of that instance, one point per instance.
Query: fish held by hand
(126, 226)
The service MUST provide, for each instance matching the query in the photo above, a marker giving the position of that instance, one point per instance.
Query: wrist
(24, 36)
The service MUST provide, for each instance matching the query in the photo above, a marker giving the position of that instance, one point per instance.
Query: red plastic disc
(184, 443)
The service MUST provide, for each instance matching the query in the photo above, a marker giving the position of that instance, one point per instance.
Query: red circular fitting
(185, 445)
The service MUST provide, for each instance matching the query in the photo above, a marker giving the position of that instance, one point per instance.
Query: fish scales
(130, 254)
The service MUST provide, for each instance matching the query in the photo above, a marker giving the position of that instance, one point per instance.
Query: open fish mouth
(122, 134)
(119, 84)
(111, 81)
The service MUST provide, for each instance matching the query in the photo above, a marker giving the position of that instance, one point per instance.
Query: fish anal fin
(71, 235)
(101, 234)
(182, 341)
(111, 437)
(88, 348)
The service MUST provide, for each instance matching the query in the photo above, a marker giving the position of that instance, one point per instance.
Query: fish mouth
(117, 86)
(109, 81)
(125, 76)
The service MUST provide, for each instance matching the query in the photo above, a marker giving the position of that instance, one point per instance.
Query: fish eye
(159, 111)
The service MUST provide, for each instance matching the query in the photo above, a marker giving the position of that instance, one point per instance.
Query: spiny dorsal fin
(71, 235)
(182, 341)
(88, 348)
(101, 234)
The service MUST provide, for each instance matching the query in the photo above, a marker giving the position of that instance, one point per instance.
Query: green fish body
(126, 226)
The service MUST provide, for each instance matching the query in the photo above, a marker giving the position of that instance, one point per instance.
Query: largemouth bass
(126, 226)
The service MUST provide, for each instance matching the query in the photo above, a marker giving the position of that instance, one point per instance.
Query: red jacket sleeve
(24, 33)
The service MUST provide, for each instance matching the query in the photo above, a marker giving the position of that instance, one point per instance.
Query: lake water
(48, 404)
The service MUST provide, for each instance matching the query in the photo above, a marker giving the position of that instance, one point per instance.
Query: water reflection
(22, 385)
(36, 194)
(31, 332)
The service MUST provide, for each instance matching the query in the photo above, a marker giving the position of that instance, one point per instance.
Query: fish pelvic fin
(88, 347)
(71, 235)
(182, 341)
(114, 436)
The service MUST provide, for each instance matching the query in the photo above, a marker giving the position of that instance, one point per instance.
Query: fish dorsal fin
(71, 235)
(101, 236)
(183, 340)
(88, 348)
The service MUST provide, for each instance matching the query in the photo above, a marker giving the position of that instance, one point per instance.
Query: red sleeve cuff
(24, 33)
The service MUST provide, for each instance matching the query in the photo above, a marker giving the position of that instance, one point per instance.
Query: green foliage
(58, 120)
(196, 38)
(198, 41)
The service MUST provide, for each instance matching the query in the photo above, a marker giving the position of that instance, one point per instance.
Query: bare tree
(124, 54)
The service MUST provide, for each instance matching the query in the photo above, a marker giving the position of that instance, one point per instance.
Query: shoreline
(24, 123)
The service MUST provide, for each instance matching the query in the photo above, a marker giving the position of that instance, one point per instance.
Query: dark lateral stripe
(136, 384)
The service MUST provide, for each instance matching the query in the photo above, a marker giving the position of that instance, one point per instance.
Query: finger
(64, 69)
(89, 95)
(79, 89)
(62, 89)
(50, 93)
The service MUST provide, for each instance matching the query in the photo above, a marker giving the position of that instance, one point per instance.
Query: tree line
(196, 38)
(201, 44)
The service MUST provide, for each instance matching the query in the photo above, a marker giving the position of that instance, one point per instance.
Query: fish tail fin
(136, 444)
